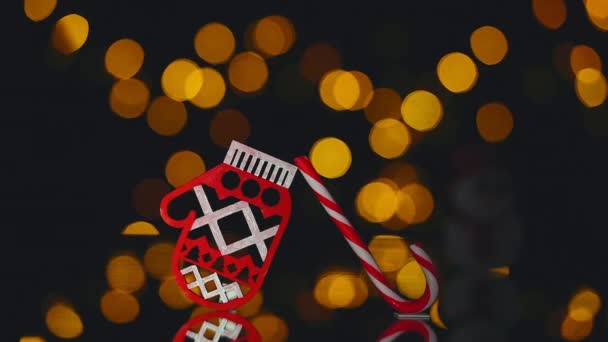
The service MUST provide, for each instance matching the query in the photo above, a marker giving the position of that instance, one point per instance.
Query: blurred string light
(212, 90)
(550, 13)
(182, 79)
(172, 295)
(399, 172)
(32, 339)
(422, 110)
(247, 72)
(129, 98)
(435, 317)
(125, 273)
(69, 34)
(494, 122)
(141, 228)
(597, 11)
(582, 309)
(214, 43)
(489, 45)
(377, 200)
(63, 321)
(270, 327)
(38, 10)
(147, 195)
(591, 87)
(389, 138)
(317, 60)
(411, 280)
(384, 103)
(157, 259)
(340, 290)
(415, 203)
(457, 72)
(119, 307)
(228, 125)
(501, 271)
(166, 116)
(273, 35)
(346, 90)
(183, 166)
(331, 157)
(390, 252)
(124, 58)
(583, 56)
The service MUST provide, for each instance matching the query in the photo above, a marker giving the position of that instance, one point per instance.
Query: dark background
(69, 164)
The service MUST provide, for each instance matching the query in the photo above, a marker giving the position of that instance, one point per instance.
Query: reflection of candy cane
(360, 248)
(401, 327)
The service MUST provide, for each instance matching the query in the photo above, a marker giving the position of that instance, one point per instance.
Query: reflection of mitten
(232, 219)
(217, 326)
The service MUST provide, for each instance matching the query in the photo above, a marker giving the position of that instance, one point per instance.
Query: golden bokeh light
(494, 122)
(415, 203)
(390, 252)
(166, 116)
(252, 306)
(389, 138)
(489, 45)
(129, 98)
(422, 110)
(573, 330)
(38, 10)
(384, 103)
(119, 307)
(212, 91)
(270, 327)
(327, 87)
(183, 166)
(366, 90)
(214, 43)
(172, 295)
(32, 339)
(584, 56)
(63, 321)
(457, 72)
(125, 273)
(141, 228)
(247, 72)
(124, 58)
(70, 33)
(587, 299)
(331, 157)
(597, 13)
(435, 317)
(340, 290)
(147, 195)
(318, 59)
(550, 13)
(401, 173)
(228, 125)
(157, 260)
(591, 87)
(501, 271)
(377, 201)
(411, 281)
(273, 35)
(182, 79)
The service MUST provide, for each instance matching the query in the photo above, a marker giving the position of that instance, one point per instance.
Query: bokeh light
(401, 173)
(377, 201)
(327, 87)
(597, 13)
(212, 91)
(183, 166)
(157, 260)
(252, 306)
(32, 339)
(587, 299)
(270, 327)
(346, 90)
(318, 59)
(501, 271)
(366, 90)
(38, 10)
(489, 45)
(172, 295)
(214, 43)
(119, 307)
(124, 58)
(273, 35)
(247, 72)
(147, 195)
(573, 330)
(390, 252)
(331, 157)
(389, 138)
(591, 87)
(142, 228)
(129, 98)
(125, 273)
(63, 321)
(340, 289)
(70, 33)
(584, 56)
(166, 116)
(550, 13)
(422, 110)
(435, 317)
(415, 203)
(494, 122)
(411, 281)
(457, 72)
(385, 103)
(182, 79)
(228, 125)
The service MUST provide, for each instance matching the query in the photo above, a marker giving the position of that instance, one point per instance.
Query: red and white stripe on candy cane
(334, 211)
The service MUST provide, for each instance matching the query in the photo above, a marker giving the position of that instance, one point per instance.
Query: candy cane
(360, 248)
(401, 327)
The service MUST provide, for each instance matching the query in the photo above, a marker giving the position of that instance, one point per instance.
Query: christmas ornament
(217, 326)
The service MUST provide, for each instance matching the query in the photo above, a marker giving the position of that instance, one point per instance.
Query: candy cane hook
(401, 327)
(334, 211)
